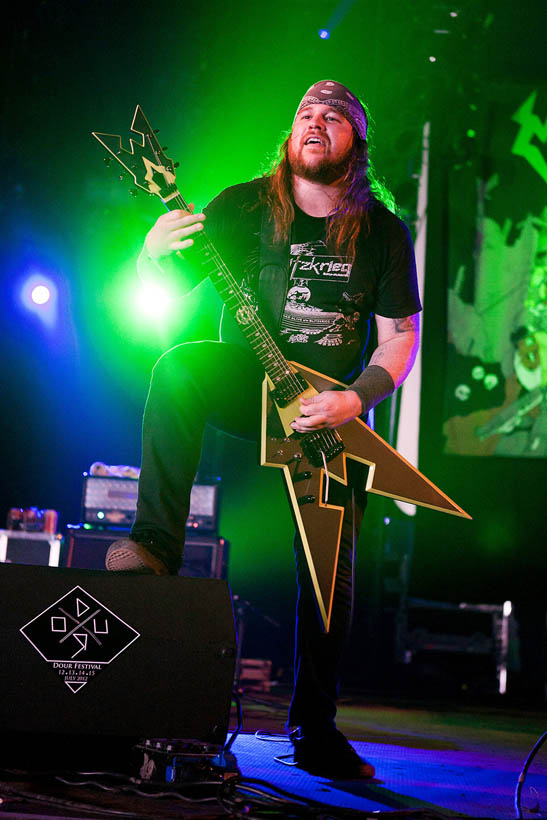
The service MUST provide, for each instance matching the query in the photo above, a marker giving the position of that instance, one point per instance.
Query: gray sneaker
(126, 555)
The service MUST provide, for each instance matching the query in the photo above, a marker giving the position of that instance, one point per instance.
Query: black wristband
(372, 386)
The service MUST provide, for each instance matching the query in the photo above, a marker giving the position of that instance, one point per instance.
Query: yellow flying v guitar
(310, 460)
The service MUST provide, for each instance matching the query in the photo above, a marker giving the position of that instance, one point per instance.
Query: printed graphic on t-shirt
(317, 281)
(310, 261)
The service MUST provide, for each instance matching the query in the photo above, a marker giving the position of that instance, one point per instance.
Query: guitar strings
(274, 360)
(256, 325)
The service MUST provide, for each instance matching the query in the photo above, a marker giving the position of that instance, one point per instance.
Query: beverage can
(32, 519)
(15, 519)
(50, 521)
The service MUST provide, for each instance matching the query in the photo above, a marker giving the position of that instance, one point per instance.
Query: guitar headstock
(147, 163)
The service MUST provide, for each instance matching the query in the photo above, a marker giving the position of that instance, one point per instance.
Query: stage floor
(432, 760)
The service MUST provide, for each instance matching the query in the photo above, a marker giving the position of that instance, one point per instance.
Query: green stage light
(142, 317)
(153, 301)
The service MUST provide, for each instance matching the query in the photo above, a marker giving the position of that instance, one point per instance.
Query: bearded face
(320, 144)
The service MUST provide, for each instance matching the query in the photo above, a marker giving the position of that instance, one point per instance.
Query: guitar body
(319, 522)
(309, 461)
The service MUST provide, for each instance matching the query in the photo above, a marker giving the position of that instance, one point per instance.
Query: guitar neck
(154, 172)
(236, 301)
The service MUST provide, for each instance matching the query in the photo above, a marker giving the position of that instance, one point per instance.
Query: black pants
(220, 384)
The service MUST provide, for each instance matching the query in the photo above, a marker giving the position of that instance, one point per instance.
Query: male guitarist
(318, 255)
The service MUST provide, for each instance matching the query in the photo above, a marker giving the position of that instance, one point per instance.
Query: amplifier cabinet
(112, 501)
(205, 556)
(39, 548)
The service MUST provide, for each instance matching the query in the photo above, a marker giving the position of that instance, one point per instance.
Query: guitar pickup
(288, 388)
(321, 442)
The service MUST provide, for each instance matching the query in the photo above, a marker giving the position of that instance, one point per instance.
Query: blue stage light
(324, 34)
(40, 294)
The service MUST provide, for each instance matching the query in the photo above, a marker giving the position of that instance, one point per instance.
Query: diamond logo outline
(100, 616)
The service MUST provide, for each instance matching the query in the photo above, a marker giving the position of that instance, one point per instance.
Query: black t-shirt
(330, 299)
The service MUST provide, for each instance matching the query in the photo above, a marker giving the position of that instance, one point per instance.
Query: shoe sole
(122, 558)
(131, 557)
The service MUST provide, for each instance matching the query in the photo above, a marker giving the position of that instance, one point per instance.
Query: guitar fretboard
(240, 306)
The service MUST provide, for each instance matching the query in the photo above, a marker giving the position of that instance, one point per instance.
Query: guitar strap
(273, 277)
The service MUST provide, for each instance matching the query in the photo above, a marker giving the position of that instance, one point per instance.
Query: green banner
(496, 385)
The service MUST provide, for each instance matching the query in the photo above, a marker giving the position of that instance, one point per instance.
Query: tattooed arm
(390, 364)
(398, 341)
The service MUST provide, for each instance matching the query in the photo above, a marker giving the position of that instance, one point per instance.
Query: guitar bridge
(327, 442)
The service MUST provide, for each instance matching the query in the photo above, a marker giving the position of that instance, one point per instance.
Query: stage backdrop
(495, 224)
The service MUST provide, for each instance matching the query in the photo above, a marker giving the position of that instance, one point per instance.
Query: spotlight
(40, 294)
(153, 301)
(432, 59)
(324, 34)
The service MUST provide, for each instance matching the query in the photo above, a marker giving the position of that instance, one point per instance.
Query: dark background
(222, 84)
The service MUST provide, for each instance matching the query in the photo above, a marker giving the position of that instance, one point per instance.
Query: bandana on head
(329, 92)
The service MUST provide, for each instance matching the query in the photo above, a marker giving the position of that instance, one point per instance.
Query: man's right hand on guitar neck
(172, 232)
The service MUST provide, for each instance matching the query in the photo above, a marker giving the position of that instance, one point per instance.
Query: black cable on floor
(255, 799)
(152, 793)
(527, 763)
(272, 737)
(58, 802)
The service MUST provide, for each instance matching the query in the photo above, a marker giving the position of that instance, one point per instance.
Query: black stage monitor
(109, 655)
